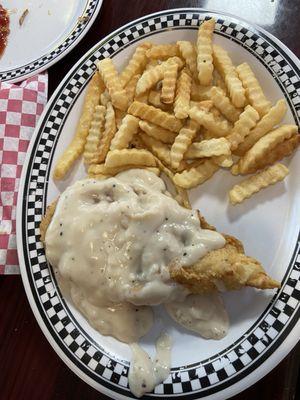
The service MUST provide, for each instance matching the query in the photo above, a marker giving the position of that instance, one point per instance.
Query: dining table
(29, 367)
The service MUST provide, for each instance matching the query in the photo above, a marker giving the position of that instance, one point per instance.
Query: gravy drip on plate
(145, 374)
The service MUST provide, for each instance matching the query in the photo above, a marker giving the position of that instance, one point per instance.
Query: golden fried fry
(196, 175)
(255, 183)
(208, 148)
(119, 115)
(183, 93)
(169, 84)
(224, 105)
(227, 71)
(94, 136)
(115, 158)
(131, 87)
(268, 121)
(242, 127)
(204, 52)
(76, 147)
(162, 51)
(265, 145)
(280, 151)
(188, 52)
(159, 149)
(155, 115)
(110, 77)
(182, 142)
(202, 105)
(153, 75)
(164, 135)
(154, 100)
(224, 161)
(200, 93)
(127, 130)
(206, 119)
(136, 65)
(219, 82)
(108, 134)
(104, 98)
(254, 91)
(96, 170)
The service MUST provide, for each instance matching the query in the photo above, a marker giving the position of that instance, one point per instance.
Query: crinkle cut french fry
(196, 175)
(224, 161)
(169, 84)
(115, 158)
(223, 104)
(154, 100)
(219, 82)
(206, 119)
(119, 115)
(183, 94)
(202, 105)
(188, 52)
(155, 115)
(254, 91)
(182, 142)
(76, 147)
(224, 65)
(208, 148)
(182, 197)
(108, 133)
(280, 151)
(200, 93)
(253, 184)
(136, 64)
(268, 121)
(131, 87)
(162, 134)
(96, 170)
(204, 52)
(153, 75)
(128, 128)
(112, 81)
(104, 98)
(94, 136)
(242, 127)
(162, 51)
(248, 163)
(161, 150)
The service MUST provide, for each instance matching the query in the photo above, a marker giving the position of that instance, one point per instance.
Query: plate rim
(288, 343)
(21, 76)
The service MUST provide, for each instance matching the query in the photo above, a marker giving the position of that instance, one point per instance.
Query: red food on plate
(4, 29)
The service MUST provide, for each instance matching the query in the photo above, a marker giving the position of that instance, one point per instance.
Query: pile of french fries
(185, 110)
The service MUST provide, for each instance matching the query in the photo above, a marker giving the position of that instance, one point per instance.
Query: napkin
(20, 108)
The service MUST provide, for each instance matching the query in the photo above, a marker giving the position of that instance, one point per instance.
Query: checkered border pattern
(106, 370)
(44, 60)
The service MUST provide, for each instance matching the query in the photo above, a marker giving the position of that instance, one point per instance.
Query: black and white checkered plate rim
(66, 45)
(87, 358)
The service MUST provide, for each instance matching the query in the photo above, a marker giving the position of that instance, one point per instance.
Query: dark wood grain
(29, 368)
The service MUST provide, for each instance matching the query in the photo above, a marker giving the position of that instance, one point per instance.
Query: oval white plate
(49, 31)
(264, 325)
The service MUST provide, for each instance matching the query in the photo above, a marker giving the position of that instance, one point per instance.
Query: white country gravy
(111, 242)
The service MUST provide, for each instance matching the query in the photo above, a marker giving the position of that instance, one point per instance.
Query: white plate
(49, 31)
(264, 325)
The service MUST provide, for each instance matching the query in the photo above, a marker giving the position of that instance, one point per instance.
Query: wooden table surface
(29, 368)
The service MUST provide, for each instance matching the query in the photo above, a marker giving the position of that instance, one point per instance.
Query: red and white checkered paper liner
(20, 108)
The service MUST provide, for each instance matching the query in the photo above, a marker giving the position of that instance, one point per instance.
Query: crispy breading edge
(226, 265)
